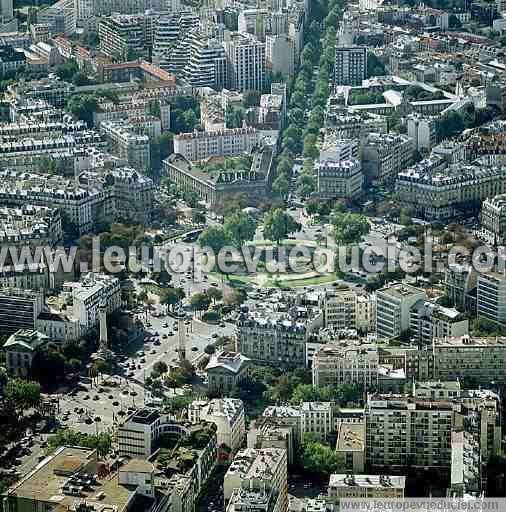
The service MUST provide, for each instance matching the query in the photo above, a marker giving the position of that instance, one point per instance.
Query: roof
(342, 480)
(351, 437)
(231, 361)
(138, 466)
(45, 482)
(27, 339)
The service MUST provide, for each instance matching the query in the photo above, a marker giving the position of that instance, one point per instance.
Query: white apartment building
(493, 218)
(229, 142)
(120, 33)
(350, 446)
(343, 486)
(491, 298)
(280, 55)
(393, 309)
(422, 130)
(346, 362)
(429, 320)
(87, 295)
(402, 431)
(246, 62)
(258, 500)
(443, 191)
(317, 419)
(259, 469)
(228, 416)
(386, 154)
(127, 144)
(341, 179)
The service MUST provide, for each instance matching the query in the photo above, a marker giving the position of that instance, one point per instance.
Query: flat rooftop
(46, 481)
(342, 480)
(351, 437)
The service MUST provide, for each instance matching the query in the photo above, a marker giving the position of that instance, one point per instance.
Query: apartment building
(422, 129)
(317, 419)
(52, 90)
(347, 309)
(350, 446)
(259, 469)
(225, 370)
(228, 416)
(276, 338)
(346, 362)
(19, 309)
(267, 433)
(254, 499)
(491, 296)
(30, 225)
(70, 473)
(404, 432)
(286, 416)
(434, 192)
(343, 486)
(280, 55)
(125, 143)
(350, 65)
(493, 218)
(459, 281)
(340, 179)
(207, 65)
(385, 155)
(246, 62)
(20, 350)
(393, 309)
(429, 320)
(228, 142)
(87, 295)
(134, 107)
(121, 34)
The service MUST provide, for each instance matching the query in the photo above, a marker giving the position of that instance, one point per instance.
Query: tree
(319, 459)
(48, 367)
(349, 227)
(81, 78)
(214, 237)
(83, 106)
(234, 116)
(101, 442)
(234, 297)
(214, 294)
(172, 296)
(200, 301)
(210, 349)
(306, 185)
(190, 118)
(374, 66)
(67, 70)
(280, 185)
(278, 224)
(198, 217)
(160, 367)
(310, 150)
(22, 394)
(251, 98)
(240, 227)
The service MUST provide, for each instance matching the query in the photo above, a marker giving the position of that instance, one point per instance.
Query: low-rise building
(228, 416)
(317, 419)
(225, 370)
(350, 447)
(20, 350)
(343, 486)
(346, 362)
(259, 469)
